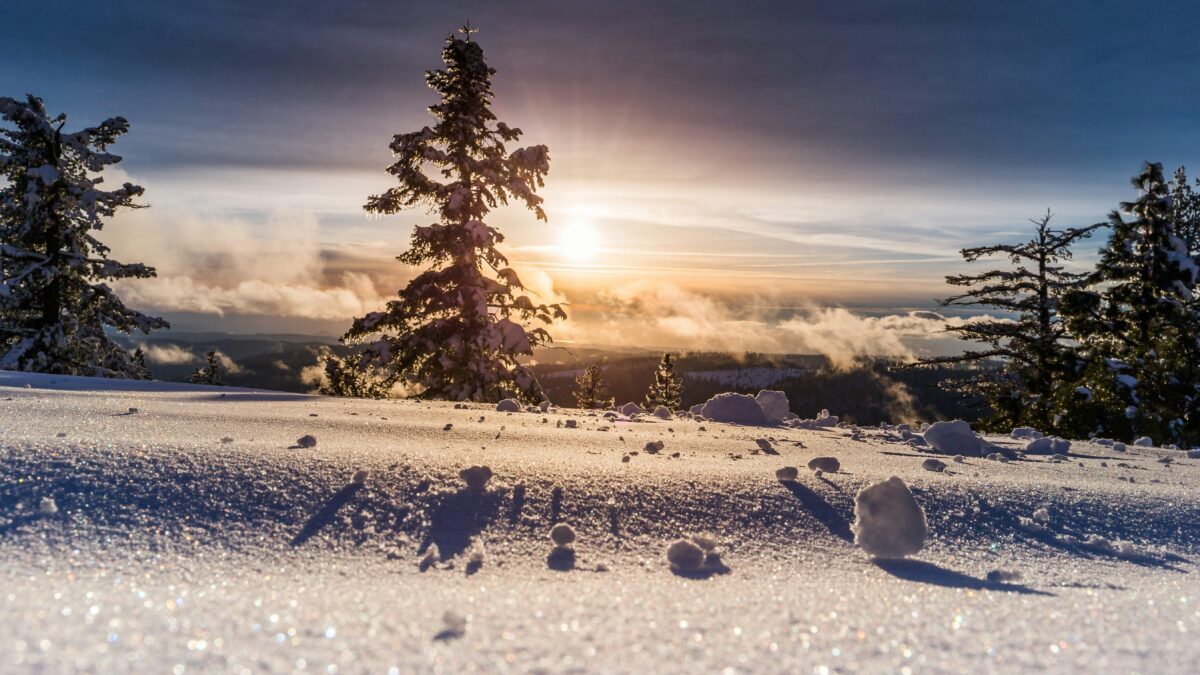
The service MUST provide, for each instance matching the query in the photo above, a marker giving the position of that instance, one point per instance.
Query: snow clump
(306, 441)
(954, 438)
(825, 464)
(1040, 446)
(685, 555)
(360, 477)
(562, 535)
(654, 447)
(734, 409)
(932, 464)
(774, 404)
(787, 473)
(508, 405)
(888, 521)
(662, 412)
(631, 409)
(1026, 432)
(476, 477)
(48, 506)
(1144, 442)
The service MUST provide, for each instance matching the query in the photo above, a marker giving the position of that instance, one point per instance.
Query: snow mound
(508, 405)
(306, 441)
(734, 409)
(631, 409)
(662, 412)
(48, 506)
(654, 447)
(823, 420)
(1026, 432)
(544, 406)
(774, 404)
(1144, 442)
(1047, 446)
(954, 438)
(888, 521)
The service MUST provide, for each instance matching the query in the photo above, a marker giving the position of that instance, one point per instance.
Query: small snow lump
(476, 477)
(888, 521)
(825, 464)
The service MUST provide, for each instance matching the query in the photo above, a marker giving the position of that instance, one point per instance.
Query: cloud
(219, 265)
(227, 364)
(666, 316)
(167, 355)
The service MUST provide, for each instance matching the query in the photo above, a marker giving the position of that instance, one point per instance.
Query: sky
(749, 175)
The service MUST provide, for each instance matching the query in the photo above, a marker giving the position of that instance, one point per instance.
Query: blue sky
(755, 154)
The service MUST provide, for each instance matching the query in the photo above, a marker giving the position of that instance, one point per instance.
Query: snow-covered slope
(149, 527)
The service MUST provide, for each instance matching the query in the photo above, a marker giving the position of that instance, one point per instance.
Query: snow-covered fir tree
(1028, 344)
(1135, 325)
(591, 390)
(459, 329)
(212, 372)
(1185, 209)
(55, 306)
(667, 389)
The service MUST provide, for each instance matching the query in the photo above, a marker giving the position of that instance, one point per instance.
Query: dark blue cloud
(1071, 88)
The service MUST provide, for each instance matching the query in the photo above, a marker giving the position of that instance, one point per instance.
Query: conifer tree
(1031, 347)
(344, 378)
(210, 373)
(1135, 325)
(1185, 209)
(591, 391)
(458, 330)
(54, 302)
(667, 389)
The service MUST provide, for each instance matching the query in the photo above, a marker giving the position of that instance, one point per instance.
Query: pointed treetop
(467, 30)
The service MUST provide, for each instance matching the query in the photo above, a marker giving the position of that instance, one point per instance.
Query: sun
(578, 241)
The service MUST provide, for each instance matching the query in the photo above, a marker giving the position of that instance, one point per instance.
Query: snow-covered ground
(170, 528)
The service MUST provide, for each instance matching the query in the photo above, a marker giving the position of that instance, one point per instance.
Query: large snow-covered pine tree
(458, 329)
(1135, 324)
(1030, 347)
(54, 302)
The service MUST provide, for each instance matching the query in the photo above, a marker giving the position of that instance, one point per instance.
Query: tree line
(1112, 351)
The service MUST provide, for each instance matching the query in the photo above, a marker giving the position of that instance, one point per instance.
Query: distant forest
(878, 391)
(868, 394)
